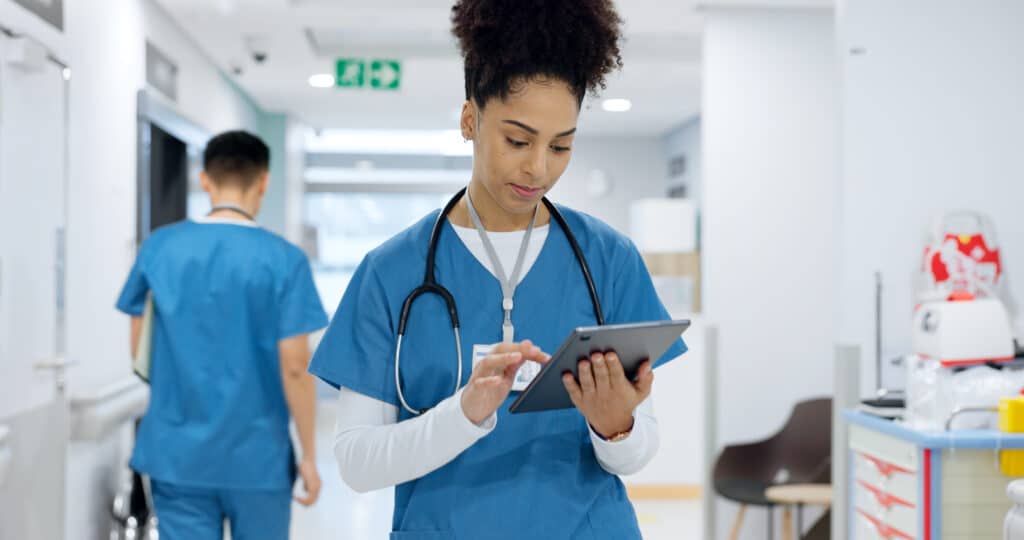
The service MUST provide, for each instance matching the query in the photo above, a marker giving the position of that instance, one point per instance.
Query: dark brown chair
(801, 453)
(822, 529)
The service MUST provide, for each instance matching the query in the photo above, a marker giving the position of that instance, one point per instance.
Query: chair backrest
(804, 445)
(800, 452)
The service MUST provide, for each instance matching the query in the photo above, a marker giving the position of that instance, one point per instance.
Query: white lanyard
(508, 285)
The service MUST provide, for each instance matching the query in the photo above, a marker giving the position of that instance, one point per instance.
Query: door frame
(154, 112)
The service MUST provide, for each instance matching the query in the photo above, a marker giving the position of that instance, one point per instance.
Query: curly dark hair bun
(504, 42)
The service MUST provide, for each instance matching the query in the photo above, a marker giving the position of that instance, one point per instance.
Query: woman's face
(522, 144)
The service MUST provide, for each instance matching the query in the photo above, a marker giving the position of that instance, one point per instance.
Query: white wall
(678, 396)
(634, 165)
(768, 207)
(107, 60)
(205, 95)
(932, 121)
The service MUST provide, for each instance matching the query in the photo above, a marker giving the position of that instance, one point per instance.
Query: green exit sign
(381, 74)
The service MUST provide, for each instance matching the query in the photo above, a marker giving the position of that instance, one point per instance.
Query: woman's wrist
(614, 430)
(473, 412)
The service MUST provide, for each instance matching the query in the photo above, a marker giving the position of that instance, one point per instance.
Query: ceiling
(304, 37)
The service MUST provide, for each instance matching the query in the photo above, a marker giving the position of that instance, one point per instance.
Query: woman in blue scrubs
(424, 408)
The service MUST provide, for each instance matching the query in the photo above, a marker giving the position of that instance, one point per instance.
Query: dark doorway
(168, 178)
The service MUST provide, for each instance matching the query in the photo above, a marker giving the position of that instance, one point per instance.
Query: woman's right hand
(492, 378)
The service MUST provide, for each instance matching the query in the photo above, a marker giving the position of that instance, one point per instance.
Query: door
(33, 209)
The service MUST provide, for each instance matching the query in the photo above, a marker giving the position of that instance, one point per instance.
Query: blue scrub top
(535, 475)
(224, 295)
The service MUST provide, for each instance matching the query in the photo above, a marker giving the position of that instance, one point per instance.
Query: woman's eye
(560, 149)
(515, 143)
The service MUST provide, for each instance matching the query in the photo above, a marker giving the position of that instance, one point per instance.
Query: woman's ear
(468, 121)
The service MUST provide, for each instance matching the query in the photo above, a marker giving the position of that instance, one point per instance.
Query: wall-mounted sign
(161, 72)
(51, 11)
(381, 74)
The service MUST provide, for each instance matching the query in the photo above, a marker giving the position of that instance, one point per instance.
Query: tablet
(634, 343)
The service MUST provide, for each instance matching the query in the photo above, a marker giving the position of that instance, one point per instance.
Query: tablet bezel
(653, 338)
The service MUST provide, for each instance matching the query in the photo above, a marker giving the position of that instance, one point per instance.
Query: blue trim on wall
(242, 94)
(273, 129)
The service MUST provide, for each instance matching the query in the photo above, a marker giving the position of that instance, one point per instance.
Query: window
(365, 186)
(348, 225)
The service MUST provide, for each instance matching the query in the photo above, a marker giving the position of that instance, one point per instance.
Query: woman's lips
(525, 192)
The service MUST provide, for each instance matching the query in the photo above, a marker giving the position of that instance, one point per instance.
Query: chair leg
(787, 523)
(735, 534)
(799, 520)
(771, 523)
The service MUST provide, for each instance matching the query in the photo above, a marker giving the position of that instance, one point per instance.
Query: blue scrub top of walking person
(535, 475)
(224, 295)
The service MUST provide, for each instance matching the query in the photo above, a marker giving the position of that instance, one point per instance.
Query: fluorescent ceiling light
(321, 80)
(616, 105)
(402, 142)
(344, 175)
(226, 7)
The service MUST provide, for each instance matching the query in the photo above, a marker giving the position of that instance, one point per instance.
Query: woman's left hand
(605, 396)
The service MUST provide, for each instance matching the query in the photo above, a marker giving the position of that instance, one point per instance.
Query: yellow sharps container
(1011, 420)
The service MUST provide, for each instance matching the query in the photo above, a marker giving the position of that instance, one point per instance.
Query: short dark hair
(236, 158)
(506, 42)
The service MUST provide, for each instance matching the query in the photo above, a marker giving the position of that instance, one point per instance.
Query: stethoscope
(430, 285)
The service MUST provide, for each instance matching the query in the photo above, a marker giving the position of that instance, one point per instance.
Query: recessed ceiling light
(616, 105)
(321, 80)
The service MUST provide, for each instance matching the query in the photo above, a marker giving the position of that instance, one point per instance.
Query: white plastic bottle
(1013, 527)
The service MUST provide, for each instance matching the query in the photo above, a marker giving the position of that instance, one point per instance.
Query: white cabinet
(913, 485)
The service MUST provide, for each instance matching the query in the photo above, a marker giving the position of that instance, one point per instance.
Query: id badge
(524, 376)
(480, 351)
